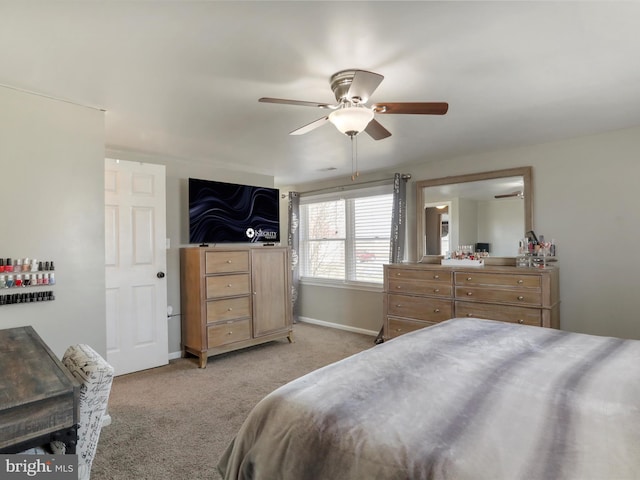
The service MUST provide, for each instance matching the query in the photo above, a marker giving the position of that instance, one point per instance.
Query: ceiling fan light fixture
(351, 120)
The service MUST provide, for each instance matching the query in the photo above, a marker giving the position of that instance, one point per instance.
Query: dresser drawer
(497, 279)
(223, 262)
(227, 285)
(228, 332)
(497, 295)
(399, 326)
(443, 276)
(438, 289)
(228, 309)
(420, 308)
(504, 313)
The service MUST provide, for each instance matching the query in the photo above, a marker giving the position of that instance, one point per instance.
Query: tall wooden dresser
(420, 295)
(233, 298)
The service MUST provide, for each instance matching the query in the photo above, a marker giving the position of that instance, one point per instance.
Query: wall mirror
(489, 211)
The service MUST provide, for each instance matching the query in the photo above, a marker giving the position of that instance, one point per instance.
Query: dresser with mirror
(490, 211)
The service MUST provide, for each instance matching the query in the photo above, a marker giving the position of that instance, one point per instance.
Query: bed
(464, 399)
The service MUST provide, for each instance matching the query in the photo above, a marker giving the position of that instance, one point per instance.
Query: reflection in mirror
(488, 211)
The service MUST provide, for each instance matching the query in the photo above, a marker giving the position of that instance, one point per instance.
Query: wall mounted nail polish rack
(15, 298)
(24, 272)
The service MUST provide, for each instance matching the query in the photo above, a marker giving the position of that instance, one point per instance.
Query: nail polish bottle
(39, 266)
(38, 279)
(52, 278)
(27, 280)
(26, 265)
(46, 266)
(17, 265)
(3, 281)
(18, 281)
(9, 281)
(51, 267)
(8, 266)
(34, 265)
(1, 264)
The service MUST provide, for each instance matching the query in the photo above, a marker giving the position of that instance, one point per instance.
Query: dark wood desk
(38, 395)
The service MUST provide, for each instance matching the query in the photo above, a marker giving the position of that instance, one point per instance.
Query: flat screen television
(222, 212)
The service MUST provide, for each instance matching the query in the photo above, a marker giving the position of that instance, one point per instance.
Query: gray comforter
(465, 399)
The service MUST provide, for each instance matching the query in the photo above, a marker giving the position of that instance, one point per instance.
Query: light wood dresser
(233, 298)
(420, 295)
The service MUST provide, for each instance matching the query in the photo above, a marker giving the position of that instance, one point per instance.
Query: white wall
(52, 208)
(467, 222)
(501, 223)
(585, 197)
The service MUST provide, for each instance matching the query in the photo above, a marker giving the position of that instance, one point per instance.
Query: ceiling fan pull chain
(354, 157)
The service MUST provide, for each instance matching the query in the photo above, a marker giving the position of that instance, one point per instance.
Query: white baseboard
(174, 355)
(338, 326)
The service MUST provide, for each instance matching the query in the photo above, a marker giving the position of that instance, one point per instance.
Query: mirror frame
(524, 172)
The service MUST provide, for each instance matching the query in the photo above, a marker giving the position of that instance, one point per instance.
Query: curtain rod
(341, 188)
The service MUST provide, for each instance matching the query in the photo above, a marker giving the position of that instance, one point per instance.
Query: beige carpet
(174, 422)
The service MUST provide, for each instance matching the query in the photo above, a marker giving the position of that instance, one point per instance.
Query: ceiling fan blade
(296, 102)
(376, 130)
(310, 126)
(364, 84)
(417, 108)
(508, 195)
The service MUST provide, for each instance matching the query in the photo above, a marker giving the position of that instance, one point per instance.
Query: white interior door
(135, 262)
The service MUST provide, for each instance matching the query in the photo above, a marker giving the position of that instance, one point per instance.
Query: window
(345, 236)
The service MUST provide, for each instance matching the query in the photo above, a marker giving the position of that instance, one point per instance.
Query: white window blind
(345, 236)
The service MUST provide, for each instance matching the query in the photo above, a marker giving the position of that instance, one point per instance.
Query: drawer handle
(228, 285)
(469, 315)
(398, 274)
(229, 309)
(436, 290)
(520, 321)
(398, 305)
(437, 277)
(230, 332)
(520, 281)
(520, 297)
(469, 294)
(228, 261)
(398, 329)
(437, 310)
(398, 287)
(468, 279)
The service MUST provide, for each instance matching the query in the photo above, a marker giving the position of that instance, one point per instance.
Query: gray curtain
(294, 243)
(398, 218)
(398, 225)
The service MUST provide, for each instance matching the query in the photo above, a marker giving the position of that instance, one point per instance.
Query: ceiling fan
(351, 116)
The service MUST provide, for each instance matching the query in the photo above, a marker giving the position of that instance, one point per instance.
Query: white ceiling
(182, 79)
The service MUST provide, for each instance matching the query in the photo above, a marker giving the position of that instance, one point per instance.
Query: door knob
(160, 275)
